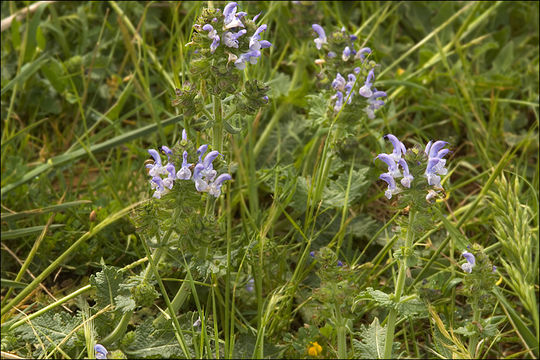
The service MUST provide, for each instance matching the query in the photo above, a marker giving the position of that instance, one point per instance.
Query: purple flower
(346, 54)
(392, 189)
(339, 82)
(156, 168)
(215, 187)
(208, 169)
(184, 136)
(251, 56)
(399, 148)
(201, 150)
(435, 167)
(157, 183)
(393, 169)
(250, 286)
(231, 18)
(361, 52)
(339, 101)
(471, 261)
(339, 263)
(184, 173)
(200, 184)
(374, 104)
(322, 36)
(212, 34)
(101, 352)
(254, 43)
(312, 254)
(168, 182)
(331, 54)
(230, 39)
(365, 90)
(407, 177)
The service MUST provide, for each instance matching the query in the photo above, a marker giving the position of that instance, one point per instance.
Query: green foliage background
(87, 89)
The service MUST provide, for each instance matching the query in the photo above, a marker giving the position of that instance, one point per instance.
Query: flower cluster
(204, 175)
(230, 29)
(433, 156)
(471, 261)
(359, 66)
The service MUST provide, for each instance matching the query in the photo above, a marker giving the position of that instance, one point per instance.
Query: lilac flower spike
(365, 90)
(392, 189)
(215, 187)
(100, 351)
(322, 36)
(471, 261)
(184, 173)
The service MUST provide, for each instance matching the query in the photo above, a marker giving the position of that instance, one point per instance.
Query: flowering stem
(341, 334)
(218, 125)
(473, 340)
(400, 284)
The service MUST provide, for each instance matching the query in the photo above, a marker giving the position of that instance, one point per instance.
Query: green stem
(178, 333)
(473, 340)
(341, 334)
(400, 284)
(218, 125)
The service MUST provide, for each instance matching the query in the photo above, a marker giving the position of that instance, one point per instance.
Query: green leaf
(11, 283)
(18, 233)
(52, 328)
(231, 129)
(150, 342)
(108, 284)
(381, 298)
(54, 72)
(372, 344)
(27, 70)
(505, 58)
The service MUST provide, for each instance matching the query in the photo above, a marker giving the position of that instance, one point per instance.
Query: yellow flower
(314, 349)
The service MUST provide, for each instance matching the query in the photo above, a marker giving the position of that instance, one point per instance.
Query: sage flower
(407, 177)
(471, 261)
(212, 34)
(230, 39)
(392, 189)
(365, 90)
(231, 19)
(322, 36)
(360, 54)
(346, 53)
(100, 351)
(184, 173)
(215, 187)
